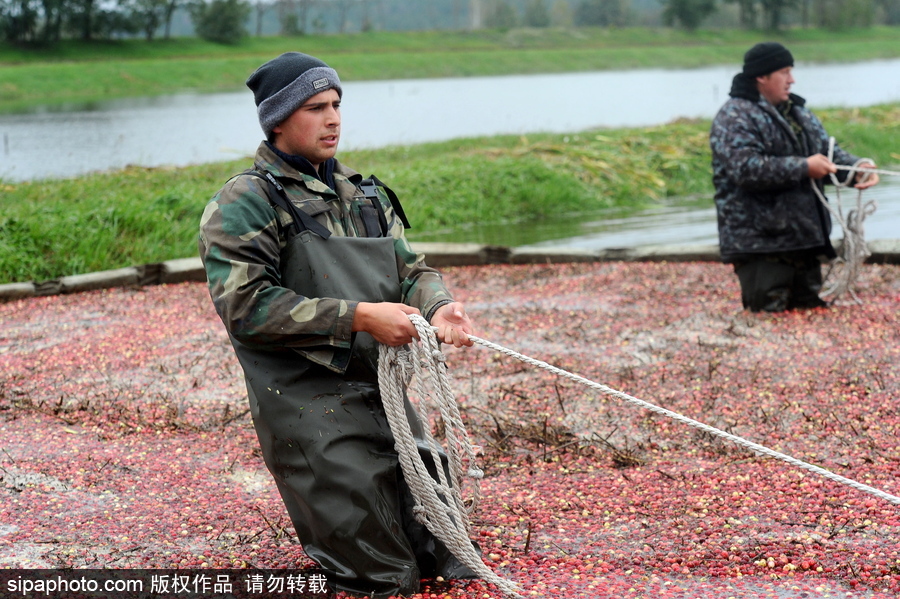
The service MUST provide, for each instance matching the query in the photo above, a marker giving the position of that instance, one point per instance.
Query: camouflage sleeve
(240, 247)
(422, 286)
(738, 142)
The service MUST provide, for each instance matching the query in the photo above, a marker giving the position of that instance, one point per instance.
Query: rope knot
(403, 360)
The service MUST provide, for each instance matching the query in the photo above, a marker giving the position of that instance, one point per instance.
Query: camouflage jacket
(242, 236)
(764, 199)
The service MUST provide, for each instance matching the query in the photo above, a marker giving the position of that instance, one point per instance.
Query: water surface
(685, 223)
(195, 129)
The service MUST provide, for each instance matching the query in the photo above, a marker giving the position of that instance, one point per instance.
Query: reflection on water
(676, 224)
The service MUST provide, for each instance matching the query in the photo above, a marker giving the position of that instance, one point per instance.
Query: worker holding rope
(771, 158)
(310, 271)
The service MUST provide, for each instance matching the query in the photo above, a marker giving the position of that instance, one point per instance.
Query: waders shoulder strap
(278, 197)
(395, 202)
(372, 213)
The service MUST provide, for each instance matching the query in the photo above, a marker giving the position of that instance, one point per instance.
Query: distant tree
(292, 16)
(79, 18)
(601, 13)
(287, 19)
(747, 12)
(804, 13)
(109, 23)
(841, 14)
(688, 14)
(773, 12)
(54, 13)
(561, 14)
(500, 15)
(303, 7)
(368, 22)
(146, 15)
(536, 14)
(168, 13)
(19, 20)
(220, 21)
(48, 21)
(259, 11)
(289, 24)
(890, 10)
(343, 7)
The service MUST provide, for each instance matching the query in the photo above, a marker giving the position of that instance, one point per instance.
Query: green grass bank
(78, 72)
(139, 216)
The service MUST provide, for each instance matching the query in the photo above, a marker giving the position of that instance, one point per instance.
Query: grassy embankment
(137, 216)
(79, 72)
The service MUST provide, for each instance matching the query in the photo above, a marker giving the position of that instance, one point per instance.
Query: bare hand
(818, 166)
(865, 180)
(454, 325)
(388, 323)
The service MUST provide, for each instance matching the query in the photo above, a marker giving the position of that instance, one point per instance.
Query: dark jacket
(764, 200)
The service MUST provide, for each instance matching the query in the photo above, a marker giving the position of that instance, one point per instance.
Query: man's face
(313, 130)
(776, 86)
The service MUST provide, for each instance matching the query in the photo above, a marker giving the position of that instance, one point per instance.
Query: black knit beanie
(765, 58)
(283, 84)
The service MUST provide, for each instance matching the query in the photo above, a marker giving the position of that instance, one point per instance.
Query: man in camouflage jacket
(308, 267)
(768, 150)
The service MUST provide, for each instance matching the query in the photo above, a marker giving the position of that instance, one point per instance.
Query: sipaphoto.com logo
(62, 585)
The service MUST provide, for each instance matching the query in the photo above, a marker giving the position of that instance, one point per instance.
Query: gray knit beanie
(283, 84)
(765, 58)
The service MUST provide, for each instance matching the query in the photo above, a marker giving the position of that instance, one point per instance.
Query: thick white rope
(755, 447)
(871, 171)
(439, 503)
(845, 269)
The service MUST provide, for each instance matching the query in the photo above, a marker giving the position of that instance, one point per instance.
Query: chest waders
(325, 437)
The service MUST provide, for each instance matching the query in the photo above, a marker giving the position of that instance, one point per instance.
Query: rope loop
(439, 504)
(845, 269)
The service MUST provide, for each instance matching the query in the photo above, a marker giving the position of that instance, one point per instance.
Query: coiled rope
(845, 269)
(439, 503)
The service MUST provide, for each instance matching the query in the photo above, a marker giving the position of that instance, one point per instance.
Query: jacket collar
(270, 159)
(325, 173)
(745, 87)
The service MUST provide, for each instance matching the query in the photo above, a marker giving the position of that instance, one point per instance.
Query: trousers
(779, 282)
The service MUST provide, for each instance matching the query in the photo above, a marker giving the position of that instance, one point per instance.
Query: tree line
(227, 21)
